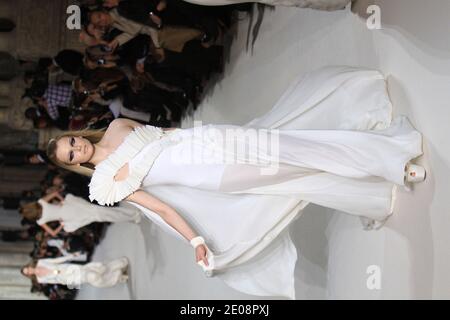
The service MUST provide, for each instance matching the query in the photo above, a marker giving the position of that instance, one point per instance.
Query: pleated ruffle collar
(104, 188)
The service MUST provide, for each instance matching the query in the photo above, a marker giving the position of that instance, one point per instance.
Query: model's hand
(201, 254)
(51, 191)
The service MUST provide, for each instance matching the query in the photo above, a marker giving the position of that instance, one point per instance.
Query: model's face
(28, 271)
(74, 150)
(100, 20)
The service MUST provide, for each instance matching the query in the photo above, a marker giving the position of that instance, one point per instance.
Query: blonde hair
(31, 211)
(93, 136)
(33, 278)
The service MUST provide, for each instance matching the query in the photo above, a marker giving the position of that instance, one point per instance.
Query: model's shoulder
(118, 123)
(117, 131)
(124, 123)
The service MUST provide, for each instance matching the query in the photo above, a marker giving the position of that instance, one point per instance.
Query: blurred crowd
(56, 243)
(146, 60)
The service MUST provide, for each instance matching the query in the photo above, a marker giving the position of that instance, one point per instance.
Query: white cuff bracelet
(197, 241)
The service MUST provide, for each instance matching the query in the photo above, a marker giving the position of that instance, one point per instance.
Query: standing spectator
(56, 96)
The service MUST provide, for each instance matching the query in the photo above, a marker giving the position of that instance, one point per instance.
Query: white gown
(97, 274)
(338, 148)
(76, 213)
(328, 5)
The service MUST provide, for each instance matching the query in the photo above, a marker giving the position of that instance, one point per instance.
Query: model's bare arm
(49, 197)
(50, 231)
(170, 216)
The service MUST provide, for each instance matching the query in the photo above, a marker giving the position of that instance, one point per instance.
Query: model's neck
(99, 154)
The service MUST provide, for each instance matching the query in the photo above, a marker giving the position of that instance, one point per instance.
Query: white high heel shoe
(415, 173)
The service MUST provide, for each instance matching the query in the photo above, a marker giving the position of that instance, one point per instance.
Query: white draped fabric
(338, 148)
